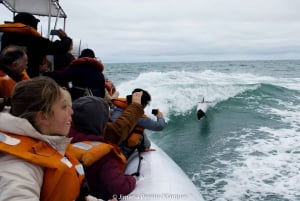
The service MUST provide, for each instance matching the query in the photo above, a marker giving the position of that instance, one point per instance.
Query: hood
(87, 62)
(20, 126)
(90, 114)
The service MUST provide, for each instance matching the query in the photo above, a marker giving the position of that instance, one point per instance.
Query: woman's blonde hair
(35, 95)
(67, 96)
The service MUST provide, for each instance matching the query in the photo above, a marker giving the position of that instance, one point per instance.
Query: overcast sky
(183, 30)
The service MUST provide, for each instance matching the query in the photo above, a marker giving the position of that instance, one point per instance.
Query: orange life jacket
(19, 28)
(88, 152)
(7, 84)
(138, 132)
(62, 176)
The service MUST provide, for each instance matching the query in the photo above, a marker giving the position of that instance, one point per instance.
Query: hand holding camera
(154, 112)
(134, 98)
(157, 113)
(54, 32)
(58, 32)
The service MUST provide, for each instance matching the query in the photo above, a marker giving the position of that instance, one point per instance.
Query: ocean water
(248, 147)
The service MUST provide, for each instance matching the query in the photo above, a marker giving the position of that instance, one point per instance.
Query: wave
(268, 95)
(178, 92)
(256, 148)
(250, 139)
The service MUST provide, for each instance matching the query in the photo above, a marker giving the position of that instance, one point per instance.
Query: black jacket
(83, 73)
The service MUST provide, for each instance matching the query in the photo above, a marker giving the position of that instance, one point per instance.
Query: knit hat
(90, 114)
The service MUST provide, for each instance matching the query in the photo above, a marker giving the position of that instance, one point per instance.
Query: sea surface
(248, 146)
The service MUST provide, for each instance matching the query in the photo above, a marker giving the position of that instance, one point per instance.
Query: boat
(50, 9)
(159, 177)
(47, 8)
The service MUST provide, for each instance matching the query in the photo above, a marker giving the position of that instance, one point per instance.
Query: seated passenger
(94, 141)
(87, 53)
(110, 89)
(85, 75)
(62, 61)
(34, 159)
(138, 138)
(13, 64)
(23, 32)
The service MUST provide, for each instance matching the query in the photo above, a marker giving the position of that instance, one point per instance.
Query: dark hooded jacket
(84, 73)
(90, 123)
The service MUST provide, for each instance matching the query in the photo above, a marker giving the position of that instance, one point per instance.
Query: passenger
(61, 61)
(45, 66)
(34, 160)
(85, 76)
(13, 64)
(138, 138)
(37, 46)
(104, 163)
(110, 89)
(87, 53)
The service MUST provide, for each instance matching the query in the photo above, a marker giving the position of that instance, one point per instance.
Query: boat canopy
(46, 8)
(49, 8)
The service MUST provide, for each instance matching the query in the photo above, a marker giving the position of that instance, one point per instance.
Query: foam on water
(289, 115)
(268, 162)
(178, 92)
(268, 166)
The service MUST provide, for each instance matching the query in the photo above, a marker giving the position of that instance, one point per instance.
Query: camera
(154, 111)
(54, 32)
(129, 99)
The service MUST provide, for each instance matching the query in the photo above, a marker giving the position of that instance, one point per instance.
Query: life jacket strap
(86, 91)
(137, 173)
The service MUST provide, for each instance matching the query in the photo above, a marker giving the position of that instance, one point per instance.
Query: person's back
(86, 76)
(61, 61)
(37, 46)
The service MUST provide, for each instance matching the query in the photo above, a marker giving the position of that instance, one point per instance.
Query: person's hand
(136, 97)
(148, 149)
(159, 114)
(61, 33)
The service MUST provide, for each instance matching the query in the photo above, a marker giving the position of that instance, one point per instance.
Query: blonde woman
(34, 160)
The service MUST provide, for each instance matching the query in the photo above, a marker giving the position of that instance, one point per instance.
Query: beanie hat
(90, 114)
